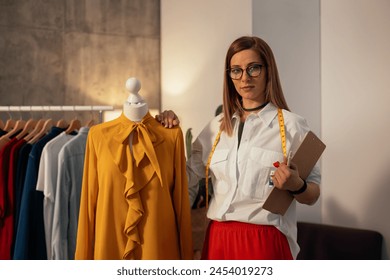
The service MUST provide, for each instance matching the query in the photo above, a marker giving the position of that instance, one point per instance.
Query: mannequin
(135, 108)
(134, 193)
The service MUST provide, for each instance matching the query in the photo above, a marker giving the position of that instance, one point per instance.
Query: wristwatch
(301, 190)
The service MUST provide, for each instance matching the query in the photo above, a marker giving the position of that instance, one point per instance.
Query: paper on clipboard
(305, 158)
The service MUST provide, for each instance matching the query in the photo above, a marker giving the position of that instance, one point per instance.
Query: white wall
(195, 36)
(355, 113)
(292, 29)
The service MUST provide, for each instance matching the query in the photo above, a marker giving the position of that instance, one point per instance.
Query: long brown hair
(231, 98)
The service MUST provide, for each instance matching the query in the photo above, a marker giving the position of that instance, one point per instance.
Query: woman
(248, 157)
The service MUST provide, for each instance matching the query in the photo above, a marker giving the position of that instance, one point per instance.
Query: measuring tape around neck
(284, 149)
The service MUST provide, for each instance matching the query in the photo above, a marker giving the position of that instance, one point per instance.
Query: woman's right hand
(168, 118)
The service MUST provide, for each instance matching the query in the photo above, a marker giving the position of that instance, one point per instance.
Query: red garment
(7, 202)
(4, 155)
(242, 241)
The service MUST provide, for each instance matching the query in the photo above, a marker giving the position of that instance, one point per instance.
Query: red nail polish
(276, 164)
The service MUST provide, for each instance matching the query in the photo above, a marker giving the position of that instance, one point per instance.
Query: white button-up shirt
(240, 175)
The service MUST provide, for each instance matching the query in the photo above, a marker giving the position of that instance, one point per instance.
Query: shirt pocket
(219, 169)
(257, 172)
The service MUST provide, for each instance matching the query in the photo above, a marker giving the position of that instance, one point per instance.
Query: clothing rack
(66, 108)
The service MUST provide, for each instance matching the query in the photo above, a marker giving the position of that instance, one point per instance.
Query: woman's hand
(168, 118)
(287, 178)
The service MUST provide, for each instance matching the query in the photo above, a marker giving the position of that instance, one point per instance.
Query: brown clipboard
(307, 155)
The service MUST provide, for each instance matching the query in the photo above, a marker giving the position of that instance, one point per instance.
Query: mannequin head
(135, 108)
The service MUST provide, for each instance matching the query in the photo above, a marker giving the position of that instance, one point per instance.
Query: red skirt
(242, 241)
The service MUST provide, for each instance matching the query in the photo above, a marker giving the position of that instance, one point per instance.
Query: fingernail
(276, 164)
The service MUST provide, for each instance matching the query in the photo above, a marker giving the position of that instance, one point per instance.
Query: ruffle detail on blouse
(139, 167)
(145, 172)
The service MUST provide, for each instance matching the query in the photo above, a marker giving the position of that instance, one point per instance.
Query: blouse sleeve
(181, 201)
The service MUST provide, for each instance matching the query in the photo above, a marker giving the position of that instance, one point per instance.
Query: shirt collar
(266, 115)
(84, 130)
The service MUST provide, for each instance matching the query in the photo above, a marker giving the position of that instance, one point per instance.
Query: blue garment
(19, 180)
(67, 200)
(30, 236)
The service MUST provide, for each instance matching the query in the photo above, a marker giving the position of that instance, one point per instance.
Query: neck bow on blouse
(138, 164)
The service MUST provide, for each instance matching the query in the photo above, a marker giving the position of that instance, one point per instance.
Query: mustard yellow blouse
(134, 201)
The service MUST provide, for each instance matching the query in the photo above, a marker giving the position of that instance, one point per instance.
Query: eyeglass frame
(246, 70)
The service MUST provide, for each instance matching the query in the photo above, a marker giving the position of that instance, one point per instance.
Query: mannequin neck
(135, 112)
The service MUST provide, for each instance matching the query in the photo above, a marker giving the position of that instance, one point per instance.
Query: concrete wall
(74, 52)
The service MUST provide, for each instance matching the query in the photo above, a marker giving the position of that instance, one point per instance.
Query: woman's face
(251, 89)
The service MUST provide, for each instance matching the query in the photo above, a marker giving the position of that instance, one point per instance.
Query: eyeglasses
(253, 70)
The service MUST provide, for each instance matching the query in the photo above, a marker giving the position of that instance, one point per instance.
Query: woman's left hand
(287, 177)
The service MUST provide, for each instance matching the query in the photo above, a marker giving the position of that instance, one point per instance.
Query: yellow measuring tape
(282, 131)
(284, 149)
(208, 166)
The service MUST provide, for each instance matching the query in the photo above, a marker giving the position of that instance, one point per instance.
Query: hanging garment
(3, 141)
(21, 167)
(30, 235)
(13, 175)
(6, 202)
(4, 166)
(47, 182)
(67, 200)
(134, 202)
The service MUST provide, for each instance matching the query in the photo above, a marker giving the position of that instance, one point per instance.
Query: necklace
(256, 108)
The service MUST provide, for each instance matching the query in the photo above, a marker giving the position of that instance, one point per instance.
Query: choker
(256, 108)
